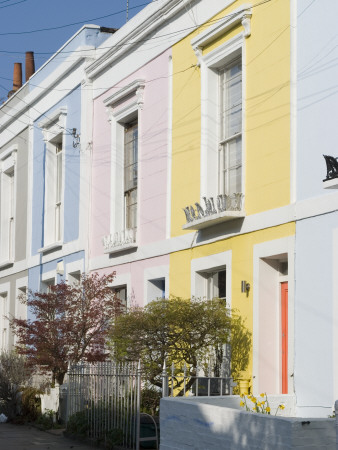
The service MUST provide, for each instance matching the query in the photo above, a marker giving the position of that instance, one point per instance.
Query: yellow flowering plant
(260, 405)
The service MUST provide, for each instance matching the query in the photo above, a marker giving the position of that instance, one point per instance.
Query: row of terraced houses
(185, 152)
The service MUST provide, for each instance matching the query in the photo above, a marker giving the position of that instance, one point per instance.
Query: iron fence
(182, 382)
(107, 396)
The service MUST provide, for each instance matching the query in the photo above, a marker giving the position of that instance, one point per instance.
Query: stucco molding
(8, 162)
(241, 15)
(9, 151)
(53, 124)
(155, 15)
(135, 88)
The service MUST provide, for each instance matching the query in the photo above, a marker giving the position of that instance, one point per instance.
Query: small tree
(70, 324)
(14, 375)
(180, 331)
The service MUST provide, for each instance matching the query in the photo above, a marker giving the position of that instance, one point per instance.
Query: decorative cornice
(136, 87)
(8, 151)
(151, 19)
(241, 15)
(9, 161)
(55, 117)
(54, 124)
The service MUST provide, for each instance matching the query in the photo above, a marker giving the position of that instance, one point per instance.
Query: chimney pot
(30, 65)
(17, 76)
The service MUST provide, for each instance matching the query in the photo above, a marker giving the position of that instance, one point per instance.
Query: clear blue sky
(18, 16)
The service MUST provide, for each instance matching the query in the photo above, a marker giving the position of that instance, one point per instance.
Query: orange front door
(284, 314)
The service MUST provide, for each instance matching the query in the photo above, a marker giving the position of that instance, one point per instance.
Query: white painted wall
(203, 424)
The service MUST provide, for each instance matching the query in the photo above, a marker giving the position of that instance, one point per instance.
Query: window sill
(51, 247)
(332, 183)
(5, 264)
(214, 219)
(120, 248)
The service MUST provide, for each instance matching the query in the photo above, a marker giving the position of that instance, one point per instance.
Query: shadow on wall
(208, 424)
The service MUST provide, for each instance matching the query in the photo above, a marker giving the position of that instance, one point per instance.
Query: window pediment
(54, 124)
(135, 88)
(241, 15)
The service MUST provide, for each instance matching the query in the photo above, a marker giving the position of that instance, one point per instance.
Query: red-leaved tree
(70, 324)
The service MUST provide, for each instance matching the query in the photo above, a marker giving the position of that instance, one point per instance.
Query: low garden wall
(220, 423)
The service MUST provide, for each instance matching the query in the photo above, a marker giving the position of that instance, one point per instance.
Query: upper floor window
(58, 190)
(130, 175)
(124, 109)
(230, 145)
(52, 129)
(7, 209)
(222, 96)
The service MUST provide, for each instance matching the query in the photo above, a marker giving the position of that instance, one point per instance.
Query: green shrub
(46, 420)
(78, 424)
(13, 376)
(30, 403)
(150, 400)
(114, 437)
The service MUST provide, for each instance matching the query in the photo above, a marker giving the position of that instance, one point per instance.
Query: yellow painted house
(232, 176)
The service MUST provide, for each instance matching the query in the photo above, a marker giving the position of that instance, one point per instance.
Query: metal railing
(183, 382)
(107, 395)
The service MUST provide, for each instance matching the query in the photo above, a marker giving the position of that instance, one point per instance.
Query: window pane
(222, 284)
(58, 173)
(231, 100)
(230, 169)
(131, 174)
(121, 294)
(131, 208)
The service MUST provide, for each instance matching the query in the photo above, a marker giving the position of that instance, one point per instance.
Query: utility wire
(12, 4)
(73, 23)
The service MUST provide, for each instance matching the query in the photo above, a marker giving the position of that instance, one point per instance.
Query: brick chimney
(30, 65)
(17, 78)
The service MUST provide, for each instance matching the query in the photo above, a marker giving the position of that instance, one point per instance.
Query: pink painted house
(130, 176)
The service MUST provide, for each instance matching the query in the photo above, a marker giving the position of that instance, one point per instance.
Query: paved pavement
(21, 437)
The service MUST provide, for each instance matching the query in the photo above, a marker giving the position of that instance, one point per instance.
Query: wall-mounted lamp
(76, 138)
(245, 287)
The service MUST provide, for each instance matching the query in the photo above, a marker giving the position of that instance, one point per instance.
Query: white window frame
(121, 238)
(210, 120)
(75, 267)
(53, 129)
(201, 267)
(225, 141)
(124, 279)
(155, 273)
(8, 161)
(48, 279)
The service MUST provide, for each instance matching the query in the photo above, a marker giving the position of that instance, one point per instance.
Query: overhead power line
(73, 23)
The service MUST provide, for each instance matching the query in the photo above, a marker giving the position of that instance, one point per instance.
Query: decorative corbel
(246, 22)
(14, 157)
(110, 114)
(140, 96)
(199, 53)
